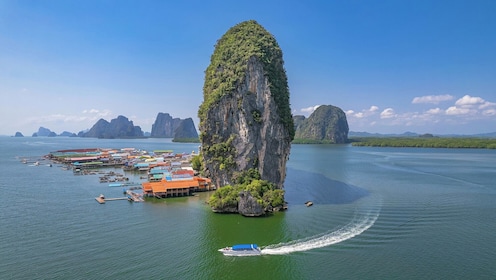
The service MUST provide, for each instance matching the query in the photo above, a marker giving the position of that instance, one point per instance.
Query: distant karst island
(327, 124)
(181, 130)
(120, 127)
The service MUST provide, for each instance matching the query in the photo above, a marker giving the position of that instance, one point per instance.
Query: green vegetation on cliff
(263, 191)
(229, 62)
(422, 142)
(222, 152)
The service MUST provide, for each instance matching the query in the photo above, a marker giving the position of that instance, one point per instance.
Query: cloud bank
(432, 99)
(463, 111)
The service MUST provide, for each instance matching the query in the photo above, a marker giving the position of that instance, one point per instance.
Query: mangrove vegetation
(426, 142)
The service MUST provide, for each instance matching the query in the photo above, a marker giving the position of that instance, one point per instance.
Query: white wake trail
(358, 225)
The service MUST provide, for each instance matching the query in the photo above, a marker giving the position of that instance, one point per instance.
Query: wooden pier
(134, 196)
(131, 196)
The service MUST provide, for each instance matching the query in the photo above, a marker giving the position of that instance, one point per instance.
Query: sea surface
(378, 213)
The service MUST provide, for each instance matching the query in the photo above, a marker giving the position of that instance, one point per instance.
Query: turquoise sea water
(379, 213)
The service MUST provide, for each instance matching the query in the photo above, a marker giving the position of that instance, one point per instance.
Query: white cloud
(387, 113)
(95, 113)
(473, 106)
(432, 99)
(434, 111)
(468, 100)
(99, 113)
(310, 110)
(453, 110)
(362, 114)
(487, 104)
(461, 112)
(489, 112)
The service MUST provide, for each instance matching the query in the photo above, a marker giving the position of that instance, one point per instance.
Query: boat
(241, 250)
(308, 203)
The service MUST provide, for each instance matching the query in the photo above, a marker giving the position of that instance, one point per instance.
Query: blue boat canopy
(241, 247)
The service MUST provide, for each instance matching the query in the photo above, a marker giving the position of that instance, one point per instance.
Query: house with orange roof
(176, 187)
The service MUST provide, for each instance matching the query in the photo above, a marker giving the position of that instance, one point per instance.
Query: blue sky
(392, 66)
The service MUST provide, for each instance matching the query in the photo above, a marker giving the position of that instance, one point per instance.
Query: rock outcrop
(248, 205)
(18, 134)
(67, 134)
(186, 130)
(245, 118)
(326, 124)
(119, 127)
(165, 126)
(42, 132)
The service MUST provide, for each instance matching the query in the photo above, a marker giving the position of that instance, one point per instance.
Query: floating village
(162, 173)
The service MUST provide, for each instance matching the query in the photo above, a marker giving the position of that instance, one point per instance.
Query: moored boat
(241, 250)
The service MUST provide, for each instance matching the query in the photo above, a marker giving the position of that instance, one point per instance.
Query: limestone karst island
(246, 126)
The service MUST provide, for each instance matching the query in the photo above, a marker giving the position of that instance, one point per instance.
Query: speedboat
(241, 250)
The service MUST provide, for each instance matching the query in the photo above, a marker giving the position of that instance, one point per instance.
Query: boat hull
(243, 253)
(241, 250)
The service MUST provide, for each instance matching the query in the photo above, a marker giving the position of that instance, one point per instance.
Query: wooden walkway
(131, 196)
(134, 196)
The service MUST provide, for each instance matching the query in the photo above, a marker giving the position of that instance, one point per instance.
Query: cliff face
(186, 129)
(119, 127)
(167, 127)
(326, 123)
(298, 122)
(98, 130)
(164, 126)
(245, 119)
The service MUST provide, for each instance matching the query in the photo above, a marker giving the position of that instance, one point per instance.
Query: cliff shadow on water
(302, 186)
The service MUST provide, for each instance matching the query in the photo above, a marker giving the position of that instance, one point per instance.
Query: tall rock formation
(326, 124)
(167, 127)
(164, 126)
(186, 130)
(119, 127)
(245, 118)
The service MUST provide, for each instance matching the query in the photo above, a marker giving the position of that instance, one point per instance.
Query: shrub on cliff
(267, 196)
